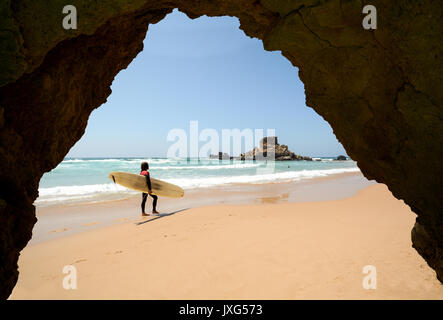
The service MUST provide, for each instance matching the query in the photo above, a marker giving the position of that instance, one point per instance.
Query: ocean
(86, 179)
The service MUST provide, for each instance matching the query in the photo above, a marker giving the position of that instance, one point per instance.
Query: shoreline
(65, 220)
(277, 250)
(94, 192)
(228, 187)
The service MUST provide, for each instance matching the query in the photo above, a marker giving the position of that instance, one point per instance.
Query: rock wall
(380, 91)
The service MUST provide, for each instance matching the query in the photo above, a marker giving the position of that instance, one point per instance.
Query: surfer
(145, 172)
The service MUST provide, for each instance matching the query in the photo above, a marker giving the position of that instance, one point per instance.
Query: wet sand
(59, 221)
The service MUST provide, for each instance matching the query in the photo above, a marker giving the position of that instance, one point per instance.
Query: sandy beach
(255, 247)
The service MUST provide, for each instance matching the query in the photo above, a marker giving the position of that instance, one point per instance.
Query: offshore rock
(270, 149)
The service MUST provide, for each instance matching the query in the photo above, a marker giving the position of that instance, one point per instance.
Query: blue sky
(208, 70)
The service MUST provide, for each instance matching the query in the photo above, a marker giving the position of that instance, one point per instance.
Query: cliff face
(270, 149)
(379, 90)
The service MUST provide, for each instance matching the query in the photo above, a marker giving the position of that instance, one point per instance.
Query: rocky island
(270, 149)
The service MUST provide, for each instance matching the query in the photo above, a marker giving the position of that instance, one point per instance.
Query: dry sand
(311, 250)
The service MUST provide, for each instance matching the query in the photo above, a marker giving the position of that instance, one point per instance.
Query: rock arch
(380, 91)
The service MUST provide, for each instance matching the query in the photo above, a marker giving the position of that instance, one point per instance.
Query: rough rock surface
(271, 149)
(380, 90)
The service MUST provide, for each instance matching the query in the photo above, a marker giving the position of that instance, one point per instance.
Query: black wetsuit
(145, 196)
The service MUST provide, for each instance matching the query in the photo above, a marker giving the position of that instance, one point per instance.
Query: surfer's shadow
(161, 215)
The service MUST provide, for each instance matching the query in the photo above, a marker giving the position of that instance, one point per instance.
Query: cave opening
(203, 71)
(367, 85)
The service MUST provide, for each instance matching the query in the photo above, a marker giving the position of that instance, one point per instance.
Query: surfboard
(138, 182)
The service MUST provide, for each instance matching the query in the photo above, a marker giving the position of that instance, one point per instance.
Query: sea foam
(95, 192)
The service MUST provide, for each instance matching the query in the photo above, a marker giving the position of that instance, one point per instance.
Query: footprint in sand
(273, 200)
(78, 261)
(122, 220)
(59, 230)
(118, 251)
(90, 224)
(269, 200)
